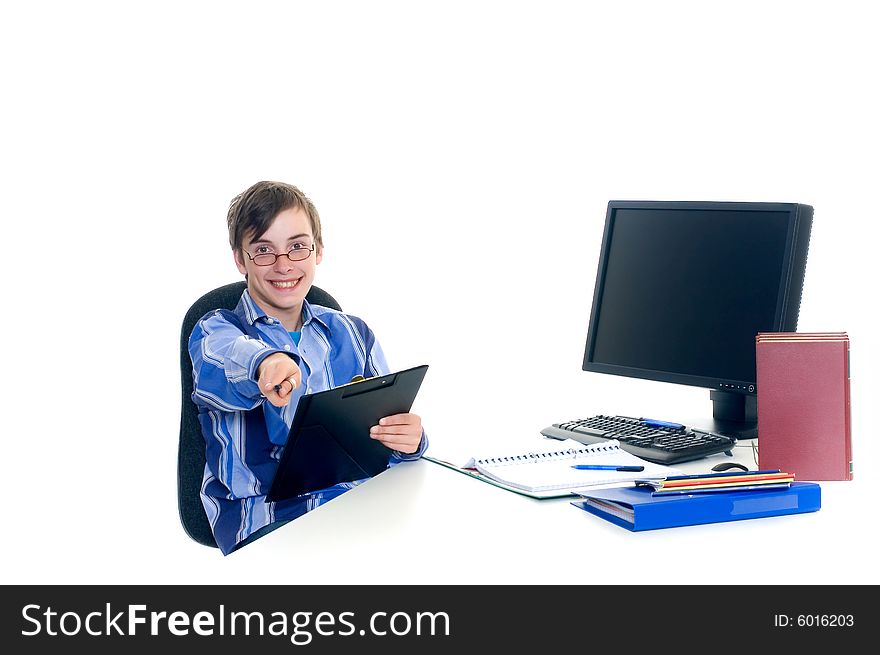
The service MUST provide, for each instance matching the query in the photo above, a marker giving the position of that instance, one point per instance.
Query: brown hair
(251, 212)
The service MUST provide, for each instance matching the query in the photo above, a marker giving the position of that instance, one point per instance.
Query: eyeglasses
(296, 254)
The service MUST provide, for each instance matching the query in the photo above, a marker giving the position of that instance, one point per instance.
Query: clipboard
(329, 440)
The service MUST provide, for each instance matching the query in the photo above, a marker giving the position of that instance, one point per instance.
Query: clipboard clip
(354, 380)
(359, 384)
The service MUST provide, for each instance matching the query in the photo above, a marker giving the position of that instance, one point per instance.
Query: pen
(653, 423)
(292, 381)
(606, 467)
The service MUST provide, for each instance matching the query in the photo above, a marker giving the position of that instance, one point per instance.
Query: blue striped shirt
(244, 434)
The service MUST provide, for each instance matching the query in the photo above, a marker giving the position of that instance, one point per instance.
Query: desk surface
(420, 522)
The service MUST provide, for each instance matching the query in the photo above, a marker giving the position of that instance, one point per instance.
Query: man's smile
(285, 284)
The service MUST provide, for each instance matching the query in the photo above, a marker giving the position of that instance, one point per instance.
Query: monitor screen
(684, 287)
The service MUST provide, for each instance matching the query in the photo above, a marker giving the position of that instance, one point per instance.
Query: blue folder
(637, 508)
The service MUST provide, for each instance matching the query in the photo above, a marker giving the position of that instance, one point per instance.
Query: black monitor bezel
(787, 302)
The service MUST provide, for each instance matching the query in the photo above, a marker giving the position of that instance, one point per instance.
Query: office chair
(191, 448)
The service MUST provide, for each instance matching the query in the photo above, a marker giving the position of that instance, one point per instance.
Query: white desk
(422, 523)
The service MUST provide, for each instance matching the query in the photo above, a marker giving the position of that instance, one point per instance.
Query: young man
(249, 371)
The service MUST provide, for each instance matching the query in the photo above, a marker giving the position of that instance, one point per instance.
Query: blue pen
(653, 423)
(606, 467)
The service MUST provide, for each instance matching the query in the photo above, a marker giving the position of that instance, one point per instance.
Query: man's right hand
(277, 377)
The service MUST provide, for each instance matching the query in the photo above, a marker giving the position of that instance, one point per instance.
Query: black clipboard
(329, 439)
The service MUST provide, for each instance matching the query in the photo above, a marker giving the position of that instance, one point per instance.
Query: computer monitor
(684, 287)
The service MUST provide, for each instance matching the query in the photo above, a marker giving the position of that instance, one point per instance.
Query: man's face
(279, 289)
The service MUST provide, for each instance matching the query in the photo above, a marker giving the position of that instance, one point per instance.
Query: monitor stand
(733, 415)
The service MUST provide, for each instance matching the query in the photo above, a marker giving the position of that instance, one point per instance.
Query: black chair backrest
(191, 448)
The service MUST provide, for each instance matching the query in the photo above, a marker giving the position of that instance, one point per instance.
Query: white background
(461, 155)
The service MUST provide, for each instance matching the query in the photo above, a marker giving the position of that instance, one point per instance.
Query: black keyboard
(655, 441)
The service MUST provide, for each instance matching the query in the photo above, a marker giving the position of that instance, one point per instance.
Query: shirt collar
(309, 315)
(248, 309)
(251, 312)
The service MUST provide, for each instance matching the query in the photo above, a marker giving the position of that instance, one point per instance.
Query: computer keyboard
(655, 441)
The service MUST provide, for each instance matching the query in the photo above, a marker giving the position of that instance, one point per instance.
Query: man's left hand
(401, 432)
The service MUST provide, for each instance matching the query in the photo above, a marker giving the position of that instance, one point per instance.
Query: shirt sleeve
(408, 457)
(225, 363)
(376, 364)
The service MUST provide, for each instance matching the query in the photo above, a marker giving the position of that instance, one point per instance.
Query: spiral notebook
(547, 471)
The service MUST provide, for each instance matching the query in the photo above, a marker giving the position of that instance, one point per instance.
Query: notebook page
(530, 448)
(553, 470)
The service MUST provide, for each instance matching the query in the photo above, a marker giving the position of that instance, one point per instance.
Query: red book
(804, 404)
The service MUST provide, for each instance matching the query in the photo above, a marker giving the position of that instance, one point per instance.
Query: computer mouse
(726, 466)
